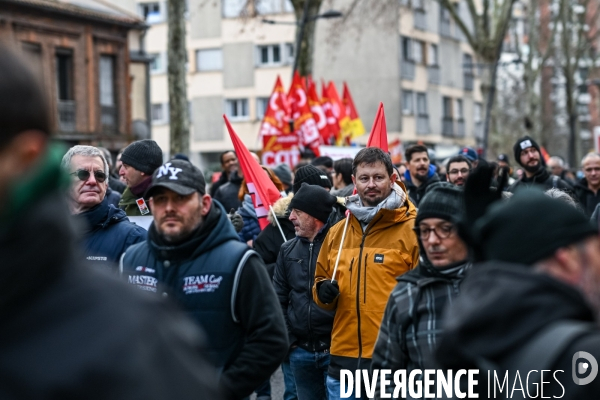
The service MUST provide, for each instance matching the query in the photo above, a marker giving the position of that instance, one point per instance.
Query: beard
(185, 231)
(421, 175)
(532, 168)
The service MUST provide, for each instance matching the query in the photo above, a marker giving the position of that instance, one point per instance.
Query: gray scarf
(366, 214)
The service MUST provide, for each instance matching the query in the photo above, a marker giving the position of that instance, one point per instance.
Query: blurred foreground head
(25, 123)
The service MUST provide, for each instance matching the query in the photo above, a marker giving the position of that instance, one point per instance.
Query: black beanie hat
(442, 200)
(311, 175)
(529, 227)
(524, 143)
(313, 200)
(143, 155)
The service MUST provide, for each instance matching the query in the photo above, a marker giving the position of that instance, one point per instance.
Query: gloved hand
(236, 220)
(328, 291)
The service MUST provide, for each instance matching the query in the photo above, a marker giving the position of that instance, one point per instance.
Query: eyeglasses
(84, 175)
(442, 232)
(463, 171)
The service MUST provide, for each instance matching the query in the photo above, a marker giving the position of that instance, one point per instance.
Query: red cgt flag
(318, 112)
(339, 110)
(304, 123)
(378, 136)
(277, 115)
(262, 190)
(332, 121)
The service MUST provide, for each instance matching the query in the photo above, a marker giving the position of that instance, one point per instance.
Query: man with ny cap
(193, 256)
(138, 161)
(378, 246)
(471, 154)
(309, 326)
(531, 303)
(529, 155)
(413, 317)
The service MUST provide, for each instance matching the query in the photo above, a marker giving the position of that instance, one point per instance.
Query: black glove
(236, 220)
(328, 291)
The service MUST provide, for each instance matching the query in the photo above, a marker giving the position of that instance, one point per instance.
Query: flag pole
(277, 222)
(337, 261)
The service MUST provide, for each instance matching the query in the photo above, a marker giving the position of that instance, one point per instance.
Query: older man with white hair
(107, 232)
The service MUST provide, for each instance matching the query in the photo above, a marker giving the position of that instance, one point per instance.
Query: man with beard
(379, 245)
(193, 256)
(533, 302)
(420, 173)
(457, 170)
(528, 155)
(413, 317)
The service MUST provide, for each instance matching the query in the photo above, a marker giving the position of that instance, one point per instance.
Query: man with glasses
(106, 230)
(412, 319)
(457, 170)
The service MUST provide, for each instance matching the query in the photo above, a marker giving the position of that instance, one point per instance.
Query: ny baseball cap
(180, 176)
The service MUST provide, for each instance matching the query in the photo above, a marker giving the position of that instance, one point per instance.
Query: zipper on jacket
(365, 282)
(350, 269)
(310, 253)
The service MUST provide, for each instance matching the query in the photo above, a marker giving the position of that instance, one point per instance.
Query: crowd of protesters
(364, 265)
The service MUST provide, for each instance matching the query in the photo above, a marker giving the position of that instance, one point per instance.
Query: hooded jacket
(108, 233)
(586, 197)
(367, 271)
(501, 307)
(542, 178)
(269, 241)
(416, 193)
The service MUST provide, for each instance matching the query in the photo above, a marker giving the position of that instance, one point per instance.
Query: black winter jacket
(501, 307)
(107, 233)
(416, 193)
(587, 199)
(541, 178)
(227, 194)
(309, 326)
(223, 179)
(71, 332)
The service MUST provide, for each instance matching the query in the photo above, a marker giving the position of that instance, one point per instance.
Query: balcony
(420, 19)
(460, 128)
(468, 81)
(408, 70)
(423, 124)
(433, 74)
(66, 115)
(447, 127)
(108, 118)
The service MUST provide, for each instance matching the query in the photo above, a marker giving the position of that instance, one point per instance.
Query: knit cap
(442, 200)
(313, 200)
(311, 175)
(143, 155)
(524, 143)
(284, 173)
(529, 227)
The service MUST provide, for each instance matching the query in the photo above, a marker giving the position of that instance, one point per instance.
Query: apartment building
(423, 71)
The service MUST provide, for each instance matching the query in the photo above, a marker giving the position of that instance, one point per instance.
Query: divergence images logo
(582, 367)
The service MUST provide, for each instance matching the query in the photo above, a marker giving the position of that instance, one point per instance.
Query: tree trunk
(178, 104)
(306, 29)
(572, 113)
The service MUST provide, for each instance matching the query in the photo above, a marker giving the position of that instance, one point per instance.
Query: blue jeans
(310, 373)
(288, 380)
(333, 389)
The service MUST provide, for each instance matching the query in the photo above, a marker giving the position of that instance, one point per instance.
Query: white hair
(85, 151)
(588, 156)
(559, 161)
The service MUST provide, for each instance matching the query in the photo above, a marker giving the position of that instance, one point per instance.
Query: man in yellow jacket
(379, 246)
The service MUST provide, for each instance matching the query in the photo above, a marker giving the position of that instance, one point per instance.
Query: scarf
(366, 214)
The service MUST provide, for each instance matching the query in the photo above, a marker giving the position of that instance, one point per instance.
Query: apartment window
(237, 109)
(158, 65)
(408, 107)
(422, 104)
(444, 21)
(275, 54)
(418, 50)
(432, 55)
(422, 114)
(151, 12)
(468, 71)
(64, 86)
(209, 60)
(447, 107)
(233, 8)
(160, 113)
(458, 110)
(477, 113)
(447, 120)
(407, 49)
(262, 104)
(108, 106)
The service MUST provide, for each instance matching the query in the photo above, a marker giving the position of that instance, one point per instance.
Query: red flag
(356, 126)
(262, 190)
(339, 110)
(332, 121)
(545, 154)
(277, 115)
(304, 123)
(378, 137)
(318, 113)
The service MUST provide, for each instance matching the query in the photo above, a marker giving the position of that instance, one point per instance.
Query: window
(64, 90)
(233, 8)
(407, 102)
(422, 104)
(477, 112)
(418, 50)
(158, 65)
(160, 113)
(209, 60)
(151, 12)
(447, 107)
(407, 49)
(458, 110)
(262, 104)
(237, 109)
(275, 54)
(467, 63)
(432, 55)
(108, 106)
